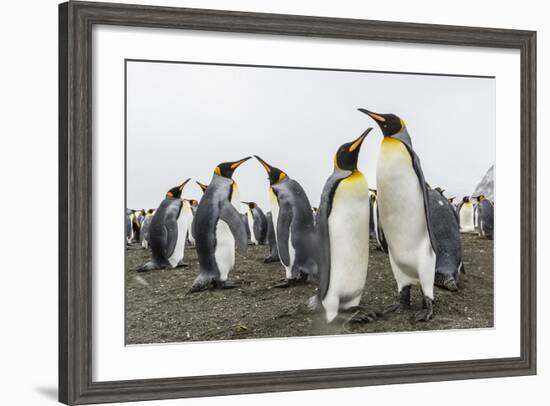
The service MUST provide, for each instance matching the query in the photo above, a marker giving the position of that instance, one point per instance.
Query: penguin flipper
(283, 232)
(233, 218)
(170, 234)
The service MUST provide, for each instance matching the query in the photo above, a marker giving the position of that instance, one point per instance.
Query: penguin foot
(363, 316)
(181, 265)
(226, 284)
(149, 266)
(269, 260)
(426, 313)
(398, 308)
(313, 304)
(288, 283)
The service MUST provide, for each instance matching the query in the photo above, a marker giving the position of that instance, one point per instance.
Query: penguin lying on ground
(145, 225)
(446, 230)
(271, 240)
(343, 234)
(485, 218)
(168, 230)
(293, 225)
(256, 222)
(465, 211)
(404, 213)
(218, 228)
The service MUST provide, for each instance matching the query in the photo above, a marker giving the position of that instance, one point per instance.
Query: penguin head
(250, 204)
(275, 174)
(175, 192)
(347, 155)
(466, 199)
(202, 186)
(390, 124)
(150, 211)
(226, 169)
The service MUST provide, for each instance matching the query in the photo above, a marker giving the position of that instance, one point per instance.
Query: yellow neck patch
(169, 194)
(217, 171)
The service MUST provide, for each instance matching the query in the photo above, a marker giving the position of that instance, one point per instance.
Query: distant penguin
(404, 213)
(381, 242)
(136, 224)
(465, 211)
(343, 232)
(129, 226)
(145, 225)
(193, 204)
(244, 217)
(257, 223)
(168, 230)
(271, 240)
(218, 228)
(485, 215)
(293, 224)
(202, 186)
(446, 230)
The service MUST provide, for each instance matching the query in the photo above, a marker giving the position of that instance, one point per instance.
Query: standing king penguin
(465, 211)
(168, 230)
(145, 225)
(293, 225)
(271, 240)
(256, 222)
(343, 233)
(404, 213)
(218, 227)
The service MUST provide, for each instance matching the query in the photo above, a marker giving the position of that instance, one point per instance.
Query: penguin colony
(416, 226)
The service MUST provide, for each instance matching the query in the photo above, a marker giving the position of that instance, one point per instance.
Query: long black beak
(379, 118)
(183, 184)
(357, 143)
(264, 164)
(236, 164)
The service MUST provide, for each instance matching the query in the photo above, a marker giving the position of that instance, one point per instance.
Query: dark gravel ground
(159, 310)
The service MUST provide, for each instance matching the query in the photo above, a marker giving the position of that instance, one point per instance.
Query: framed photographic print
(259, 202)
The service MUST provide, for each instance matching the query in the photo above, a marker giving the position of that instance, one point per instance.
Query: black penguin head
(390, 124)
(226, 169)
(202, 186)
(175, 192)
(466, 199)
(439, 190)
(150, 211)
(347, 155)
(250, 204)
(275, 174)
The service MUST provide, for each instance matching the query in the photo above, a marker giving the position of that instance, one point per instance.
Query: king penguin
(193, 204)
(202, 186)
(218, 228)
(448, 266)
(257, 223)
(145, 225)
(403, 203)
(168, 230)
(465, 211)
(129, 226)
(343, 233)
(485, 216)
(271, 240)
(293, 225)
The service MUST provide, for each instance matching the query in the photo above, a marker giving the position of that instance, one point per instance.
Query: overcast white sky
(184, 119)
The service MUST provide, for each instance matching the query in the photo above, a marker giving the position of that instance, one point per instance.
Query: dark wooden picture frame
(76, 20)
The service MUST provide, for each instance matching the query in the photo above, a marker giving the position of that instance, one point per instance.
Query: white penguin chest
(183, 225)
(251, 227)
(348, 225)
(400, 200)
(467, 217)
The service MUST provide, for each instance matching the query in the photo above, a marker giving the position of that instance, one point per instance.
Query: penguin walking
(193, 204)
(465, 211)
(343, 234)
(145, 225)
(257, 223)
(129, 226)
(446, 230)
(293, 225)
(271, 240)
(168, 230)
(404, 213)
(218, 228)
(381, 242)
(485, 215)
